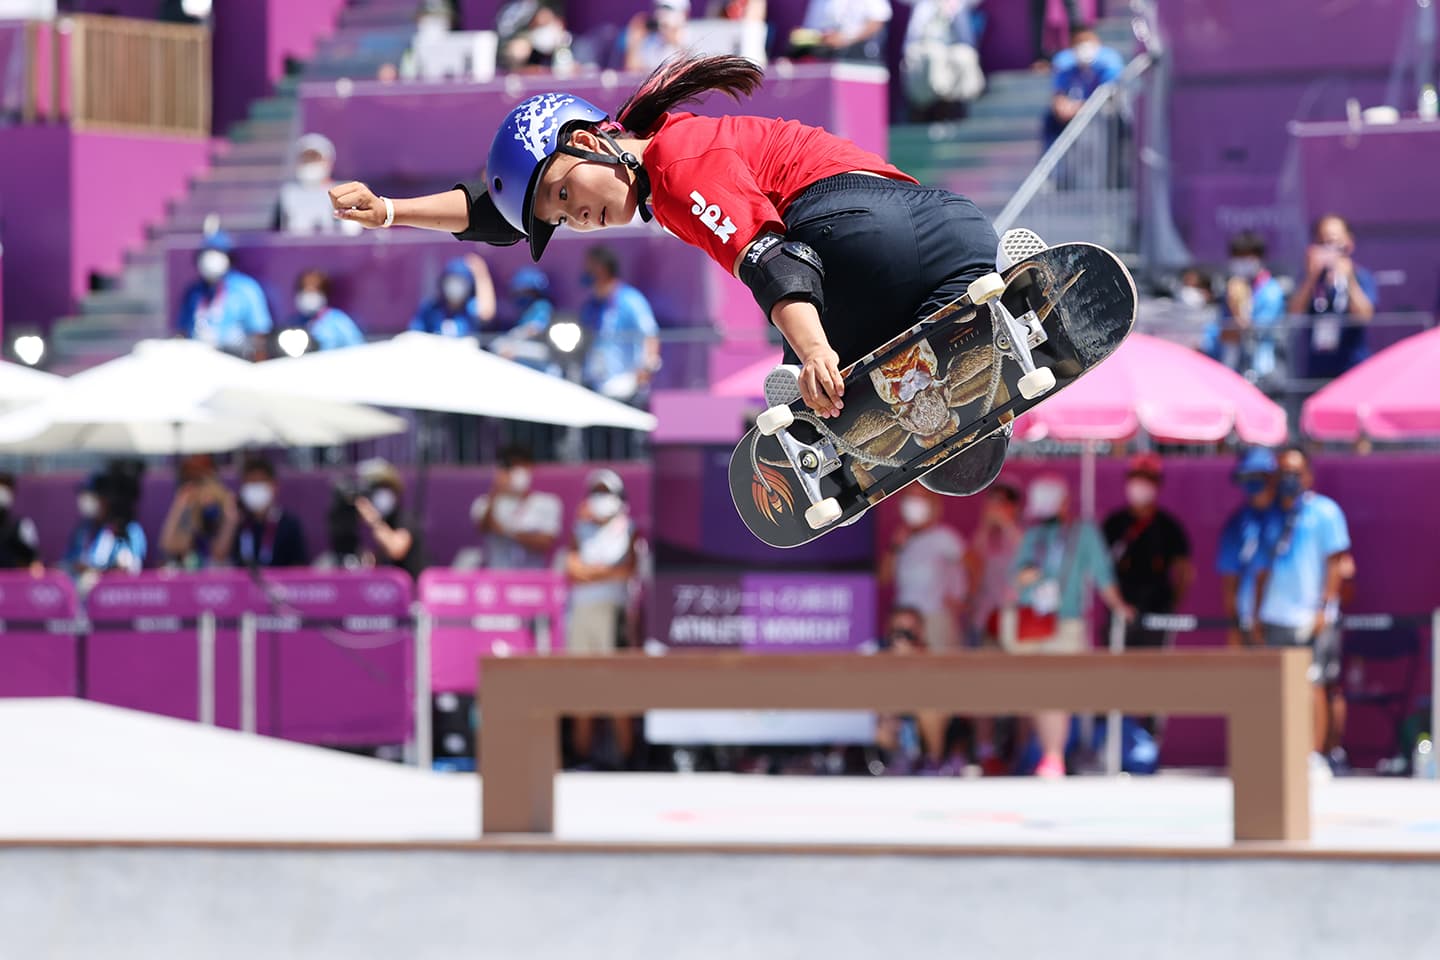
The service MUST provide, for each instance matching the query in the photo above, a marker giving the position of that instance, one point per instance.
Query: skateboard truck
(1015, 336)
(811, 461)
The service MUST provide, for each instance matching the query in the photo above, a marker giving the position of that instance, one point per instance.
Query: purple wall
(36, 202)
(252, 40)
(432, 133)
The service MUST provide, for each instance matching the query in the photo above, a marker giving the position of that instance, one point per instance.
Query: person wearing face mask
(464, 301)
(19, 539)
(200, 524)
(652, 39)
(268, 535)
(1306, 560)
(536, 40)
(525, 343)
(106, 537)
(518, 524)
(396, 543)
(1058, 560)
(1077, 73)
(600, 565)
(625, 339)
(1239, 558)
(224, 307)
(304, 207)
(1244, 335)
(329, 328)
(1340, 298)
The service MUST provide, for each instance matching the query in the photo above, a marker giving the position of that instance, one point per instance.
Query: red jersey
(719, 182)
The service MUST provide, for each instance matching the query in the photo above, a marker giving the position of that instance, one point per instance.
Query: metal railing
(109, 73)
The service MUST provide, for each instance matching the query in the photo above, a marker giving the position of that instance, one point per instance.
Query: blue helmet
(528, 138)
(529, 278)
(1255, 460)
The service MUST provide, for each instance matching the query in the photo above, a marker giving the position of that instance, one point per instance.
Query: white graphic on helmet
(536, 121)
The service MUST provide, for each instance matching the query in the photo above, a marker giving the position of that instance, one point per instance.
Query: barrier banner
(480, 613)
(37, 635)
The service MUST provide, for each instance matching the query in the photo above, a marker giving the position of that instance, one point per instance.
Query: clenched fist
(357, 203)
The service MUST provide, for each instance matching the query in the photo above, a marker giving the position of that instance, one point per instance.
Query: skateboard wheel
(1036, 383)
(774, 419)
(823, 514)
(986, 288)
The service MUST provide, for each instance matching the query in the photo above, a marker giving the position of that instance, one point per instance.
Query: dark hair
(1007, 493)
(902, 609)
(1294, 448)
(258, 465)
(1320, 221)
(320, 275)
(681, 79)
(1247, 243)
(604, 258)
(7, 479)
(514, 454)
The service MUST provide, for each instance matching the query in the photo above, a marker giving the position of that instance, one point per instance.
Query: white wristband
(389, 211)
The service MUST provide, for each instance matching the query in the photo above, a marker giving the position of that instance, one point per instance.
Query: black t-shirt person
(1145, 550)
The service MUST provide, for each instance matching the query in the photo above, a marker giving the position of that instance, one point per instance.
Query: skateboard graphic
(932, 393)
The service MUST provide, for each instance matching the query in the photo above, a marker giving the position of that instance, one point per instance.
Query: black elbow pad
(486, 223)
(777, 269)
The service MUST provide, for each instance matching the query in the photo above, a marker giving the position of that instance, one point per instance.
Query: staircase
(241, 187)
(989, 154)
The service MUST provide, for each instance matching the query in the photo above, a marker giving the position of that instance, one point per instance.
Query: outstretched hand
(358, 203)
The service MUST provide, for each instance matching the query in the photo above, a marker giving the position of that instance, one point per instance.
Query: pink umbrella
(1391, 396)
(1171, 392)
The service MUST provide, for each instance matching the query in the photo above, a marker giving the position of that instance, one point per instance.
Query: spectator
(200, 524)
(465, 300)
(1151, 554)
(625, 346)
(518, 524)
(940, 65)
(843, 30)
(396, 542)
(106, 537)
(898, 735)
(327, 327)
(1339, 297)
(1306, 560)
(926, 565)
(1078, 72)
(599, 564)
(737, 10)
(534, 38)
(1063, 15)
(1240, 557)
(304, 208)
(224, 307)
(526, 343)
(1254, 308)
(1058, 557)
(19, 540)
(650, 41)
(268, 535)
(989, 561)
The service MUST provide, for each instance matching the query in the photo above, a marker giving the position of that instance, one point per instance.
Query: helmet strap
(620, 158)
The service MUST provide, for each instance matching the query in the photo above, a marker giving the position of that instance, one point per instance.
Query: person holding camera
(396, 544)
(200, 525)
(1340, 298)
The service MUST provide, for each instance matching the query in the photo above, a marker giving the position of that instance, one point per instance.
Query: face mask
(1252, 487)
(1191, 296)
(1290, 485)
(384, 500)
(313, 174)
(520, 480)
(603, 506)
(88, 505)
(1045, 501)
(257, 496)
(212, 265)
(1087, 52)
(902, 636)
(309, 302)
(914, 511)
(455, 290)
(1246, 269)
(7, 498)
(1139, 493)
(546, 38)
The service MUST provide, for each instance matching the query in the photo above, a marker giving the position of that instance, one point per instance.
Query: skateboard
(935, 391)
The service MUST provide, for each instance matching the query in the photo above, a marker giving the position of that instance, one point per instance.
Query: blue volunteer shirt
(1242, 554)
(1078, 82)
(620, 323)
(228, 314)
(1297, 545)
(331, 329)
(435, 316)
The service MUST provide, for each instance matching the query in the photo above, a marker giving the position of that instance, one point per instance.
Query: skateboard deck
(932, 392)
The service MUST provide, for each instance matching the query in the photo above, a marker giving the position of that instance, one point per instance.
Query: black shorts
(1325, 647)
(894, 252)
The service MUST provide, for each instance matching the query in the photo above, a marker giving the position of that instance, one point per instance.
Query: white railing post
(1435, 675)
(424, 748)
(1114, 735)
(248, 686)
(205, 638)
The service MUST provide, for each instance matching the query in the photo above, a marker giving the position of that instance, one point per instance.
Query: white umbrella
(421, 371)
(20, 385)
(179, 396)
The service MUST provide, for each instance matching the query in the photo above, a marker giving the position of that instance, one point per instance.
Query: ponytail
(681, 79)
